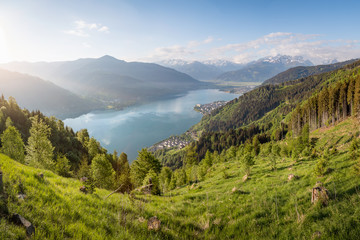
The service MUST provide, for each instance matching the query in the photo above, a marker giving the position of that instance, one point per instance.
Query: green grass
(267, 207)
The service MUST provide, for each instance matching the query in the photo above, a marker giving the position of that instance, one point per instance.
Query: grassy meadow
(265, 206)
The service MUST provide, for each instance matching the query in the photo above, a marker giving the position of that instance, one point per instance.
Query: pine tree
(142, 165)
(62, 166)
(102, 172)
(165, 178)
(12, 144)
(39, 149)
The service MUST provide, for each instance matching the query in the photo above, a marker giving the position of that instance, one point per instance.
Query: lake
(136, 127)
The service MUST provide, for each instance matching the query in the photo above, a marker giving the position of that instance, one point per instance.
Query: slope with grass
(266, 206)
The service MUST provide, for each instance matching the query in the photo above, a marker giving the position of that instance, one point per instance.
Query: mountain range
(204, 71)
(111, 81)
(263, 69)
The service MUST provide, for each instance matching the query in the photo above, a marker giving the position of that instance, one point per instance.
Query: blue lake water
(137, 127)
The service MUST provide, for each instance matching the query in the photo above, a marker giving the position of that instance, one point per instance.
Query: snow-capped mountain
(264, 68)
(286, 60)
(205, 70)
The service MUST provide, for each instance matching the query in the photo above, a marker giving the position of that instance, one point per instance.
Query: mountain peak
(108, 58)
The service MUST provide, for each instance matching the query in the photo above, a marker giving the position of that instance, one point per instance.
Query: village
(209, 107)
(173, 141)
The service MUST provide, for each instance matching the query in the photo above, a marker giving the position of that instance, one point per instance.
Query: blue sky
(241, 31)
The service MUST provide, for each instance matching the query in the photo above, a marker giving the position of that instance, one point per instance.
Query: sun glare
(4, 51)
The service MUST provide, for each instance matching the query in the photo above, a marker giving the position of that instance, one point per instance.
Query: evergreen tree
(39, 149)
(84, 169)
(122, 173)
(142, 165)
(155, 189)
(247, 162)
(256, 145)
(165, 178)
(12, 144)
(102, 172)
(93, 147)
(62, 166)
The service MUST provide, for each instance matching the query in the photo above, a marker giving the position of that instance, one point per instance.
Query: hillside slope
(302, 72)
(266, 206)
(36, 94)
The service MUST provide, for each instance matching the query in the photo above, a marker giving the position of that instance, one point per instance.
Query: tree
(93, 147)
(62, 166)
(208, 160)
(102, 172)
(12, 144)
(84, 169)
(39, 149)
(165, 178)
(247, 162)
(142, 165)
(256, 145)
(122, 173)
(155, 188)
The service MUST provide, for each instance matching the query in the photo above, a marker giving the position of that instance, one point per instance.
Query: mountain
(302, 72)
(36, 94)
(207, 70)
(263, 69)
(111, 80)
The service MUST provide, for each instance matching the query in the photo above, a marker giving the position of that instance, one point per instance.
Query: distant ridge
(263, 69)
(111, 80)
(36, 94)
(302, 72)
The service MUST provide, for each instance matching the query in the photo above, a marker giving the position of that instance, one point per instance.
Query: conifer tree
(142, 165)
(102, 172)
(39, 149)
(12, 144)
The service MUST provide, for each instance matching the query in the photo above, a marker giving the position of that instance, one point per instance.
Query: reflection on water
(136, 127)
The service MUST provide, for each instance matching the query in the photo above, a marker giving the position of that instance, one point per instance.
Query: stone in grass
(21, 196)
(320, 194)
(20, 220)
(316, 235)
(154, 223)
(234, 190)
(84, 179)
(245, 178)
(83, 189)
(291, 177)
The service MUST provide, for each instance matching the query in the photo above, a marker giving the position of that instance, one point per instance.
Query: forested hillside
(302, 72)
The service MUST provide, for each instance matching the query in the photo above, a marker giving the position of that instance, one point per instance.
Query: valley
(179, 120)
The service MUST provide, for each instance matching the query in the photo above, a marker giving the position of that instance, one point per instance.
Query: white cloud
(83, 29)
(86, 45)
(310, 46)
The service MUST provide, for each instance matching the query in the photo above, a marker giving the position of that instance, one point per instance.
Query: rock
(291, 177)
(234, 189)
(316, 235)
(290, 168)
(141, 219)
(246, 177)
(83, 189)
(154, 223)
(320, 194)
(192, 186)
(21, 196)
(19, 220)
(84, 179)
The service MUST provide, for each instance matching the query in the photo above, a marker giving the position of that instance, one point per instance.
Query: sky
(158, 30)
